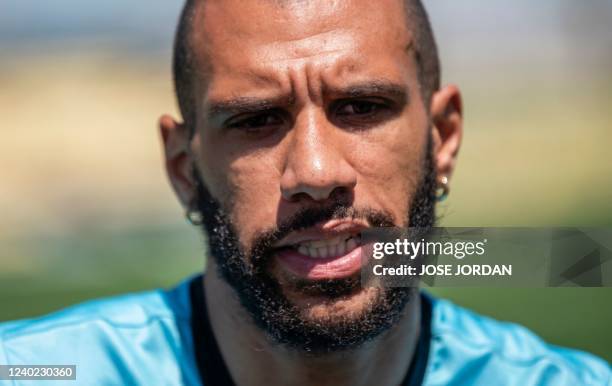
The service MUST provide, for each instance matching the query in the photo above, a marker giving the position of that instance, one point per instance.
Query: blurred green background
(85, 210)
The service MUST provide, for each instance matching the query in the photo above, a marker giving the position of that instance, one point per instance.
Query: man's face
(301, 102)
(310, 127)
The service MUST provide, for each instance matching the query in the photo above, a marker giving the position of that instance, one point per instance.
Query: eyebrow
(246, 105)
(373, 88)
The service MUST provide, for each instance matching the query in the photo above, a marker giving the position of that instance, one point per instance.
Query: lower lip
(336, 267)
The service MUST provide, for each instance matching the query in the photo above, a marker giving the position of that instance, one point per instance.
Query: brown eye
(363, 112)
(358, 108)
(255, 122)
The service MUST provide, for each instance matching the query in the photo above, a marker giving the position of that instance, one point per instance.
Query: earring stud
(443, 189)
(194, 217)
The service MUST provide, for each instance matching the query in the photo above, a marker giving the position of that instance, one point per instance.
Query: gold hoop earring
(443, 189)
(194, 217)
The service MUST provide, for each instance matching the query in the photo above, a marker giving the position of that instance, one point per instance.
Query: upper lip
(323, 231)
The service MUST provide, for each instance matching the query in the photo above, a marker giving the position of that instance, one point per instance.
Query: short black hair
(184, 62)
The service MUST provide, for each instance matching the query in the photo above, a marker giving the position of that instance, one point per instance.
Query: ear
(447, 119)
(179, 163)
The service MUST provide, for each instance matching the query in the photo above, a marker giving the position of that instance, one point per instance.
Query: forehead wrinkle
(263, 78)
(327, 42)
(252, 82)
(288, 58)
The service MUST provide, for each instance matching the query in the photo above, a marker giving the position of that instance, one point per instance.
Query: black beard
(262, 296)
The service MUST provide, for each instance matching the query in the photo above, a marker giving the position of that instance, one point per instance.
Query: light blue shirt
(146, 339)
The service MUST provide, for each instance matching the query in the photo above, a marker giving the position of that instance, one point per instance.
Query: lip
(323, 231)
(311, 268)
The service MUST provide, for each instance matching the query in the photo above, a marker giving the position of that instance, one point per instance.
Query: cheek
(256, 196)
(248, 188)
(390, 164)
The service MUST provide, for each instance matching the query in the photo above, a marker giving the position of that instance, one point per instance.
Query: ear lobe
(178, 160)
(446, 111)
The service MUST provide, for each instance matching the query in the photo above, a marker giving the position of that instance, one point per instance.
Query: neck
(253, 360)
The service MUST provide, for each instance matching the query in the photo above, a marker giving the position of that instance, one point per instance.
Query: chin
(326, 309)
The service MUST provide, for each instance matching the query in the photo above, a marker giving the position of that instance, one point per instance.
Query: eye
(358, 107)
(255, 122)
(363, 112)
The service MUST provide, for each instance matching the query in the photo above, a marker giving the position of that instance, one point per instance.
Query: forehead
(242, 44)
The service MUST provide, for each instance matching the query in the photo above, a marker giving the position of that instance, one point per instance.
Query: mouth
(323, 254)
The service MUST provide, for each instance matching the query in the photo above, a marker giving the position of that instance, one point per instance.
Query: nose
(316, 166)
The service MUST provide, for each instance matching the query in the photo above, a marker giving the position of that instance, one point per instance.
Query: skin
(347, 118)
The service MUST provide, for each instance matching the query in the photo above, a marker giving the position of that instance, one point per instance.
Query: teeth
(351, 244)
(313, 252)
(325, 243)
(341, 248)
(322, 252)
(322, 249)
